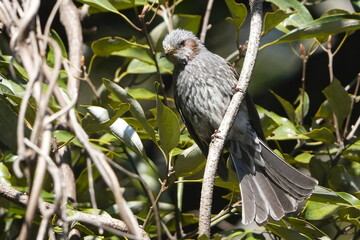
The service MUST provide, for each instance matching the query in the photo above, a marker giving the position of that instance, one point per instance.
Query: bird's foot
(215, 135)
(236, 89)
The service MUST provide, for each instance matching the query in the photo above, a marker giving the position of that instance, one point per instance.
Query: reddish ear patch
(192, 44)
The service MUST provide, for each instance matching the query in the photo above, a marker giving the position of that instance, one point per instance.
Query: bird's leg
(215, 134)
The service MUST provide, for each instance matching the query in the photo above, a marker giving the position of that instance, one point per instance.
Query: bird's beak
(167, 51)
(163, 54)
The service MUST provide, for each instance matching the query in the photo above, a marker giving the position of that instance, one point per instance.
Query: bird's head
(180, 46)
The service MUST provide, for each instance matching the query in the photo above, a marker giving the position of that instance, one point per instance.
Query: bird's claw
(215, 135)
(236, 89)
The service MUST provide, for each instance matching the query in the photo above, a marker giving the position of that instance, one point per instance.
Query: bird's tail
(269, 189)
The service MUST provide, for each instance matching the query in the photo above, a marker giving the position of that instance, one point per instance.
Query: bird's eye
(182, 43)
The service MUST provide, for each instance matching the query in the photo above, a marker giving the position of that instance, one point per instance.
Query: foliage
(138, 130)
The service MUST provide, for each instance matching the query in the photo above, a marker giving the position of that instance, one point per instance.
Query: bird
(203, 85)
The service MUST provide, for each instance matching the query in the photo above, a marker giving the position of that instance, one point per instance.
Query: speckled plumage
(203, 84)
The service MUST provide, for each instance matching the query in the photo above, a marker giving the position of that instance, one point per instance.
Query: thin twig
(152, 50)
(348, 119)
(205, 25)
(110, 224)
(217, 145)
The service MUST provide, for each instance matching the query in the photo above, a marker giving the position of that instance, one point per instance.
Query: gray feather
(203, 84)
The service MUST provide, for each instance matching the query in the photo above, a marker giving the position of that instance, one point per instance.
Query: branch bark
(110, 224)
(217, 145)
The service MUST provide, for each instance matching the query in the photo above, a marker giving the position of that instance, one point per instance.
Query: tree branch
(217, 145)
(110, 224)
(206, 25)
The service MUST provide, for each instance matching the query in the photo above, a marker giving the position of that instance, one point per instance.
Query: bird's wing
(253, 114)
(254, 117)
(202, 145)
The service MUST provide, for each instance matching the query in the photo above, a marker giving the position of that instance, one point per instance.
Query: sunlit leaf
(319, 211)
(356, 5)
(189, 162)
(103, 122)
(302, 109)
(63, 136)
(321, 28)
(135, 107)
(238, 13)
(117, 46)
(4, 174)
(301, 16)
(272, 19)
(321, 134)
(303, 157)
(121, 130)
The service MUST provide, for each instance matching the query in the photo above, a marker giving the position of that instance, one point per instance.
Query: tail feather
(296, 183)
(272, 190)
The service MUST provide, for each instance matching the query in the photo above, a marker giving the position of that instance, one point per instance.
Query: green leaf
(141, 94)
(323, 117)
(117, 4)
(135, 107)
(189, 162)
(321, 134)
(302, 109)
(105, 121)
(339, 100)
(286, 129)
(272, 19)
(8, 124)
(105, 6)
(284, 232)
(121, 130)
(63, 136)
(139, 67)
(303, 157)
(301, 16)
(321, 28)
(5, 86)
(50, 55)
(238, 13)
(117, 46)
(307, 229)
(169, 127)
(183, 21)
(325, 195)
(353, 152)
(356, 5)
(319, 211)
(340, 180)
(4, 174)
(19, 69)
(288, 107)
(350, 215)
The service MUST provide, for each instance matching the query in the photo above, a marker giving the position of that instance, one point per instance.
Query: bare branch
(110, 224)
(217, 145)
(206, 25)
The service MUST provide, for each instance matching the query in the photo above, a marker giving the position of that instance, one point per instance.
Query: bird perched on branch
(203, 87)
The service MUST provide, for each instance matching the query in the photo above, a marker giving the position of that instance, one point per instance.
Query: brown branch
(110, 224)
(217, 145)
